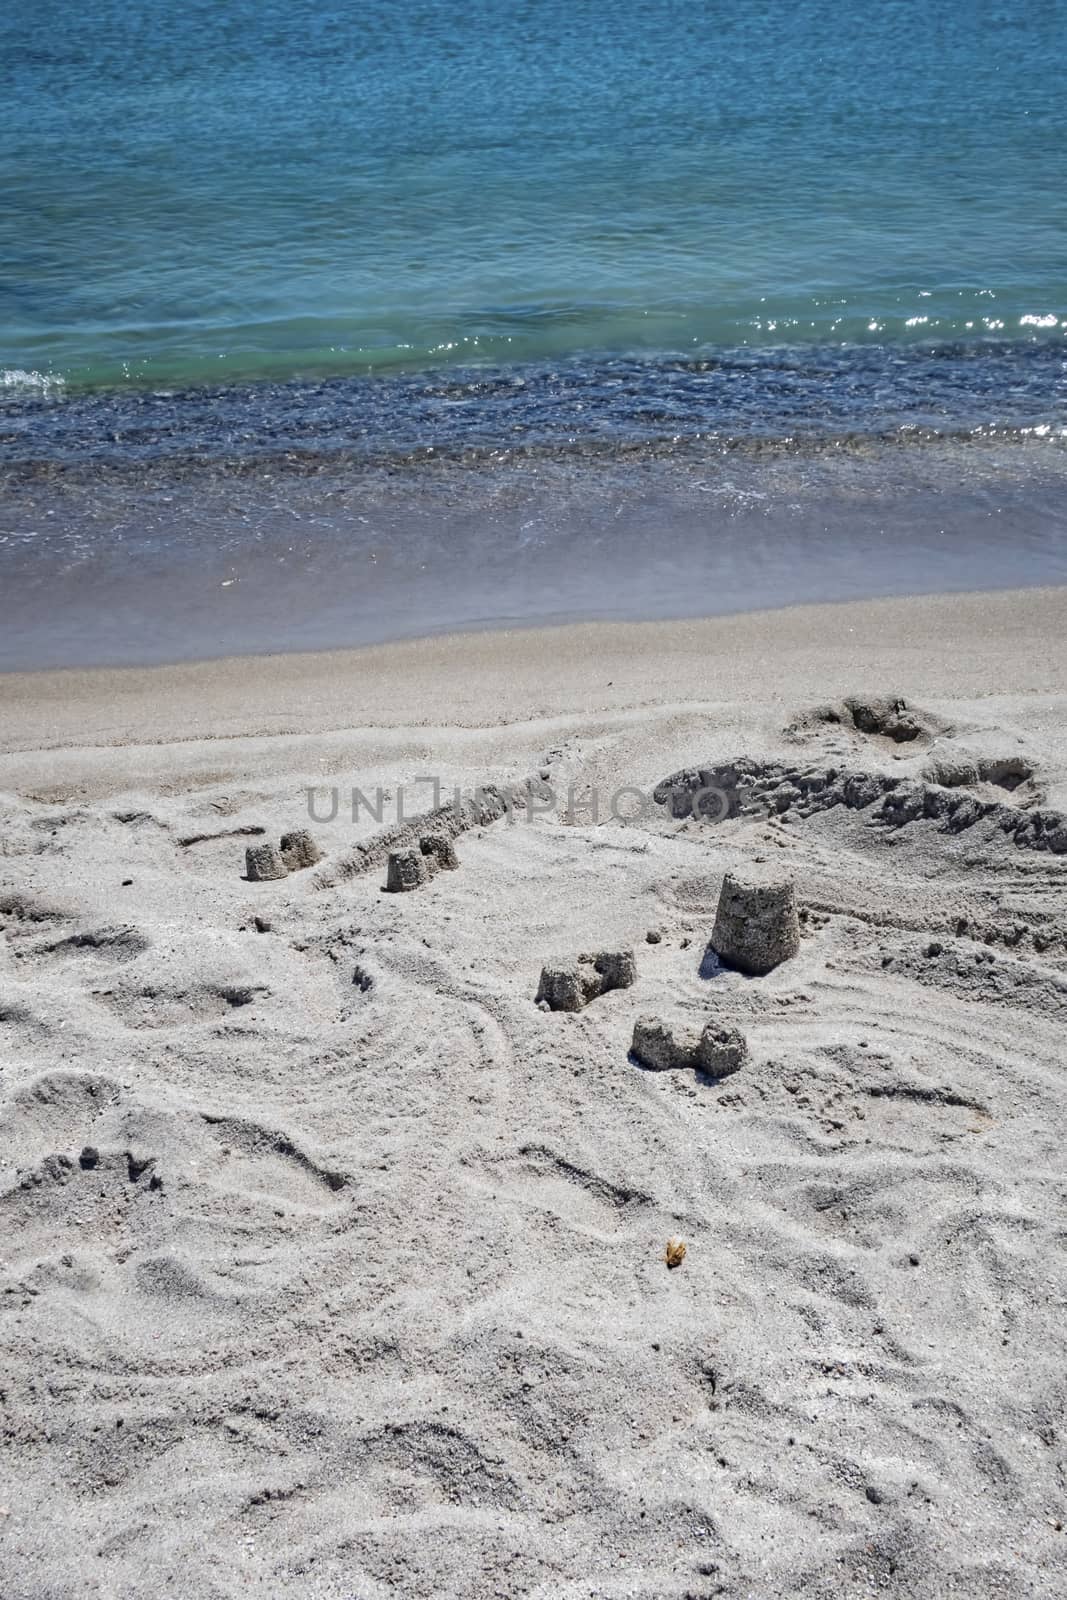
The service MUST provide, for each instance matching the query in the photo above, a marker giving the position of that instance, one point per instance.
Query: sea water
(529, 240)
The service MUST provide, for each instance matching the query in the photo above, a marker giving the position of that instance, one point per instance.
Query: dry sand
(333, 1266)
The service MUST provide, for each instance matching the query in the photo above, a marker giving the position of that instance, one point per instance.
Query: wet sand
(155, 566)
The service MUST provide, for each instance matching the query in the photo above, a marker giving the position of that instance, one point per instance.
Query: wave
(17, 384)
(312, 349)
(781, 398)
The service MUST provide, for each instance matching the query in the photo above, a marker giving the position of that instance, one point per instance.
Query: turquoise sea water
(194, 192)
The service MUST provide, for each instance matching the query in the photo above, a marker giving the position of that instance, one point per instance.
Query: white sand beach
(333, 1266)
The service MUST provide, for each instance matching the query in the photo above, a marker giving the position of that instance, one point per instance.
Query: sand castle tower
(407, 870)
(264, 862)
(756, 926)
(299, 850)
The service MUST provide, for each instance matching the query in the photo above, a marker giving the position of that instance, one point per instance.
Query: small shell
(675, 1252)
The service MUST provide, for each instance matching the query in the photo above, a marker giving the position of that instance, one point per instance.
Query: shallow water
(203, 561)
(329, 323)
(733, 398)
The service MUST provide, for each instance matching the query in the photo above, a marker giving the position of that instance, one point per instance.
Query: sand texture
(333, 1265)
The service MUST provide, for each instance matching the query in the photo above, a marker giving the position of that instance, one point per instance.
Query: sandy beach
(334, 1266)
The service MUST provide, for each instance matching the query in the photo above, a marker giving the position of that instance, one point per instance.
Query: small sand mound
(885, 717)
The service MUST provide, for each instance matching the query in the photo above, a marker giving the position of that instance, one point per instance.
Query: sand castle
(264, 862)
(299, 850)
(756, 925)
(439, 853)
(756, 928)
(716, 1050)
(410, 869)
(571, 985)
(407, 870)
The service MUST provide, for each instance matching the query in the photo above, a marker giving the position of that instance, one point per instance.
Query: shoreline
(942, 644)
(115, 577)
